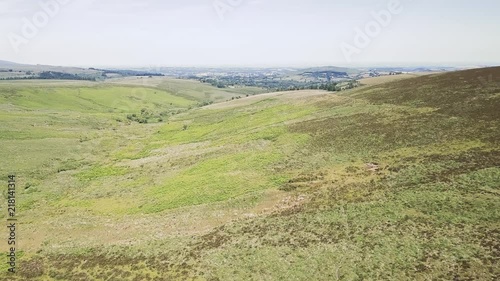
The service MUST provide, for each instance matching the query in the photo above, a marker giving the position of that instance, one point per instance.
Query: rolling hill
(395, 181)
(4, 63)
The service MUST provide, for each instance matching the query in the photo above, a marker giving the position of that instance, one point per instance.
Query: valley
(394, 180)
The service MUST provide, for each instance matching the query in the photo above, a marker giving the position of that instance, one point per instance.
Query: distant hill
(332, 69)
(15, 71)
(4, 63)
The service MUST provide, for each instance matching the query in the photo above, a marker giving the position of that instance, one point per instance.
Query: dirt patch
(372, 167)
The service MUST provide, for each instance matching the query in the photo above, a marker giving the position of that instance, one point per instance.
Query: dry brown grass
(391, 78)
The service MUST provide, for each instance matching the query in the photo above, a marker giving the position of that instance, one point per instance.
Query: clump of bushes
(144, 117)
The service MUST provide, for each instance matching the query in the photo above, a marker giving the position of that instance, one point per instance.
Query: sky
(250, 32)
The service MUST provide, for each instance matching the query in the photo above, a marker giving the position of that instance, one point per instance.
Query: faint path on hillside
(289, 95)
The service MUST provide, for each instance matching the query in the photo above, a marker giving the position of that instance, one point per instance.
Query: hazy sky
(248, 32)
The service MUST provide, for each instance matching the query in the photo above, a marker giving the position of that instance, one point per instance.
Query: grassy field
(394, 181)
(190, 89)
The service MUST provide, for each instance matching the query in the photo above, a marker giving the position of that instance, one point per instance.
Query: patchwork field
(133, 180)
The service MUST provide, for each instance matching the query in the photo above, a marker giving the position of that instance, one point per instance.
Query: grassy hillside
(9, 70)
(190, 89)
(397, 181)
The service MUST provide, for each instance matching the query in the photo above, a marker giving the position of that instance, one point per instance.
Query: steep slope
(405, 178)
(472, 93)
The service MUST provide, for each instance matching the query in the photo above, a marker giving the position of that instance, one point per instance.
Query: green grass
(214, 180)
(198, 91)
(234, 126)
(93, 99)
(275, 190)
(97, 172)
